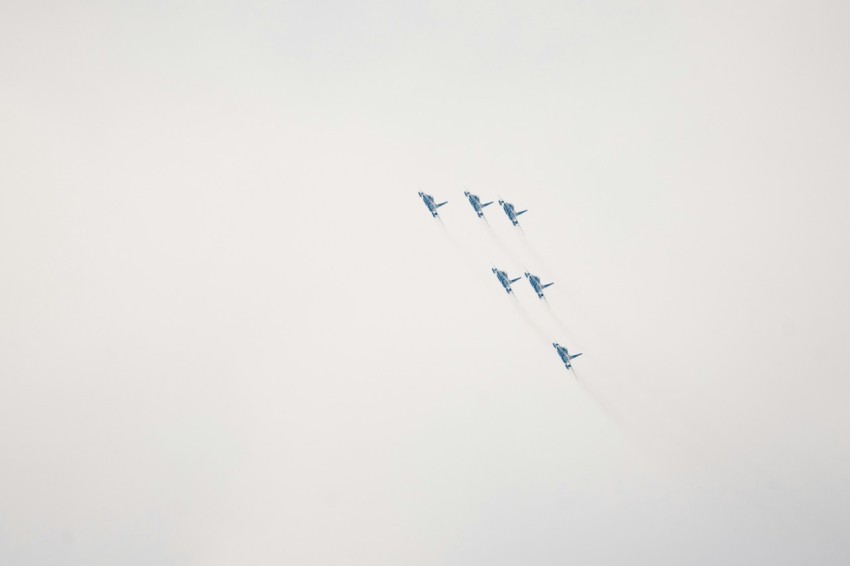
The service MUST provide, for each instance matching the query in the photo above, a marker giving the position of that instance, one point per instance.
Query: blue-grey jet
(565, 355)
(431, 203)
(504, 279)
(476, 203)
(511, 212)
(535, 282)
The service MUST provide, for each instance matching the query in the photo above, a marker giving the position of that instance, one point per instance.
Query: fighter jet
(565, 355)
(431, 204)
(535, 282)
(476, 203)
(504, 279)
(511, 212)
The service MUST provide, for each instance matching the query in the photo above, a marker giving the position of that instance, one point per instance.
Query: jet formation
(565, 355)
(535, 284)
(511, 212)
(504, 279)
(476, 203)
(431, 203)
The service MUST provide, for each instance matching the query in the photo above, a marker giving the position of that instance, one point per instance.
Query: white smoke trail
(467, 258)
(504, 248)
(528, 320)
(556, 319)
(599, 400)
(532, 252)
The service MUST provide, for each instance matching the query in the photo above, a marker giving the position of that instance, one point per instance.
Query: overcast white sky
(230, 333)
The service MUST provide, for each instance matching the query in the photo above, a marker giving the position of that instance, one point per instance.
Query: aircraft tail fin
(522, 212)
(442, 203)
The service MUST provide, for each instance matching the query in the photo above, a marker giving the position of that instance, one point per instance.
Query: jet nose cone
(466, 193)
(526, 274)
(420, 193)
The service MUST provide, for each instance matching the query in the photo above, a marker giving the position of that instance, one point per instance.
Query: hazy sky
(230, 333)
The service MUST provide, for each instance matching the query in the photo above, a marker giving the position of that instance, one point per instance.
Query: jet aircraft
(504, 279)
(535, 282)
(565, 355)
(476, 203)
(511, 212)
(431, 203)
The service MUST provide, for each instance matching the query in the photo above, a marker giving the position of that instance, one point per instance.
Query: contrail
(591, 326)
(458, 248)
(503, 247)
(555, 317)
(525, 243)
(537, 330)
(597, 398)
